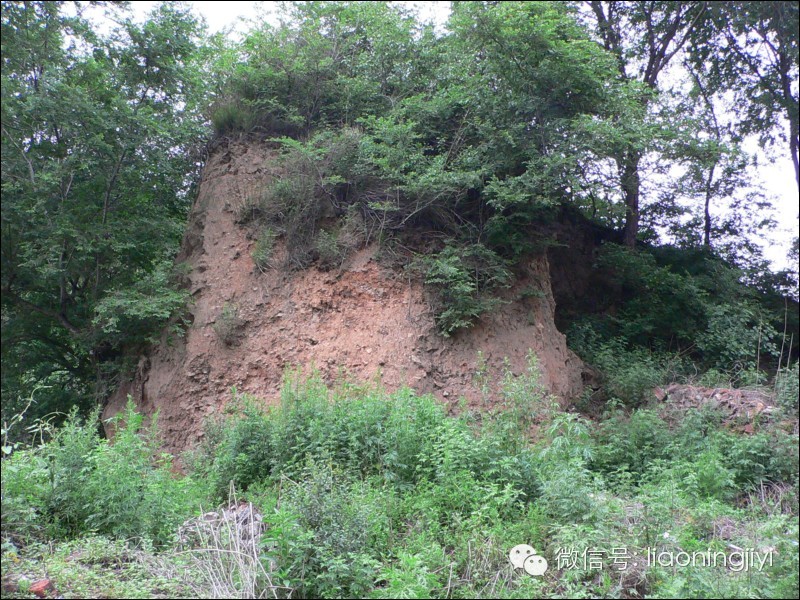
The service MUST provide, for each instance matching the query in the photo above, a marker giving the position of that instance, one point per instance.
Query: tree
(539, 90)
(750, 49)
(706, 149)
(644, 37)
(326, 63)
(96, 172)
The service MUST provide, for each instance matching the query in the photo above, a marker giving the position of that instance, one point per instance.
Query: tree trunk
(631, 184)
(789, 101)
(667, 27)
(707, 207)
(793, 134)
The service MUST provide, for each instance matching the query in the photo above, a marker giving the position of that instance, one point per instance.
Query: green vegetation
(528, 113)
(471, 138)
(669, 315)
(457, 151)
(78, 483)
(98, 567)
(100, 142)
(262, 251)
(367, 494)
(463, 279)
(228, 325)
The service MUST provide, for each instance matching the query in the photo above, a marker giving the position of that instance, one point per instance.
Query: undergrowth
(364, 493)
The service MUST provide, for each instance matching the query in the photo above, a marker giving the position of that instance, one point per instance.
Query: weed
(229, 324)
(330, 251)
(464, 281)
(263, 250)
(79, 483)
(232, 117)
(787, 390)
(368, 494)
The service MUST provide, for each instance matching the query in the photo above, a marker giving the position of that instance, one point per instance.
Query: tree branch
(58, 316)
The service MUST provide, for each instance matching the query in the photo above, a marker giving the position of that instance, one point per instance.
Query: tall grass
(362, 493)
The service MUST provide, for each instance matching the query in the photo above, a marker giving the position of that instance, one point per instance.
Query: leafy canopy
(98, 164)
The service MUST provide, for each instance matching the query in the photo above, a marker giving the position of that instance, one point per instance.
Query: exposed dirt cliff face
(366, 320)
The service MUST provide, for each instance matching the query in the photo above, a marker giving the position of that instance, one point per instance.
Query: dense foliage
(518, 106)
(470, 135)
(366, 494)
(99, 158)
(673, 314)
(463, 144)
(517, 109)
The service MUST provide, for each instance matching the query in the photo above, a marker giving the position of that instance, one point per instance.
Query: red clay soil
(365, 320)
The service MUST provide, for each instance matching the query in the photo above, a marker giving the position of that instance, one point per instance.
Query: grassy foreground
(368, 494)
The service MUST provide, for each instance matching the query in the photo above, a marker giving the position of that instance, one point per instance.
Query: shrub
(567, 486)
(250, 208)
(712, 461)
(330, 552)
(764, 457)
(70, 456)
(232, 117)
(628, 445)
(131, 489)
(659, 306)
(228, 325)
(262, 251)
(684, 301)
(289, 197)
(364, 494)
(410, 578)
(522, 402)
(736, 337)
(294, 204)
(329, 251)
(237, 449)
(464, 280)
(787, 388)
(629, 374)
(715, 378)
(404, 439)
(25, 495)
(708, 477)
(79, 483)
(696, 431)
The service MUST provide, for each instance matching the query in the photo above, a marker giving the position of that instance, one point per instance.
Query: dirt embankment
(365, 321)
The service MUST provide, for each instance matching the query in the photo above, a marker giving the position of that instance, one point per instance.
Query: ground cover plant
(363, 493)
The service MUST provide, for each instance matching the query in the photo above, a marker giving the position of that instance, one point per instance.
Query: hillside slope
(366, 320)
